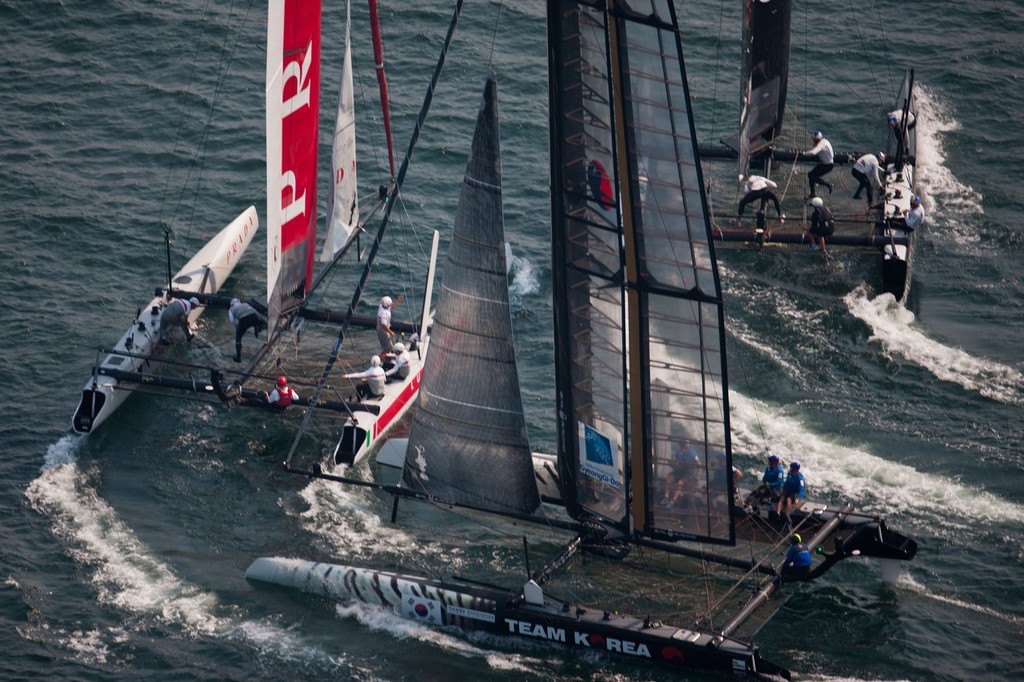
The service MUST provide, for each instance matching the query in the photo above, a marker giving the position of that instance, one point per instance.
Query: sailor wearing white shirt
(175, 315)
(283, 395)
(826, 161)
(401, 367)
(915, 216)
(895, 117)
(374, 375)
(384, 332)
(866, 170)
(758, 187)
(902, 133)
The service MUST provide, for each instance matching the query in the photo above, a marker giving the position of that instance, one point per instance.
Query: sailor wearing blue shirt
(792, 488)
(774, 475)
(798, 558)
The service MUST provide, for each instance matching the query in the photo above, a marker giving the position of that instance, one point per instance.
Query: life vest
(284, 397)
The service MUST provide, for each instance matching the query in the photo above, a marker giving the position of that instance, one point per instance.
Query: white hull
(363, 429)
(204, 273)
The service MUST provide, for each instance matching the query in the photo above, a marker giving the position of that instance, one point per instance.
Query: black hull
(507, 613)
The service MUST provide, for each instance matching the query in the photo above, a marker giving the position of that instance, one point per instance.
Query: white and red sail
(293, 105)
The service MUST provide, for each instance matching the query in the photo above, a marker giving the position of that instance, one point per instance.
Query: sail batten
(468, 442)
(637, 289)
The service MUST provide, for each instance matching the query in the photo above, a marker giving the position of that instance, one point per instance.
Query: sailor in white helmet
(175, 316)
(384, 332)
(826, 161)
(374, 375)
(822, 224)
(400, 369)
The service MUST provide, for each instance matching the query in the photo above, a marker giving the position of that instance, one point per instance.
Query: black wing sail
(638, 307)
(766, 27)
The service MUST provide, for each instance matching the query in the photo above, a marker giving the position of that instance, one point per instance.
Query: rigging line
(375, 246)
(184, 108)
(222, 71)
(494, 37)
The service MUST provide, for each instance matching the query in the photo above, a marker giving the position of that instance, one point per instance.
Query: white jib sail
(343, 203)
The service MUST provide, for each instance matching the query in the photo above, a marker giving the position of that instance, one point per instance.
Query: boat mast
(381, 229)
(382, 80)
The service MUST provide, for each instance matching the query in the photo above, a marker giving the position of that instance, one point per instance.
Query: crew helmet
(794, 465)
(816, 136)
(194, 301)
(816, 202)
(880, 156)
(235, 302)
(375, 361)
(795, 539)
(399, 347)
(915, 199)
(894, 120)
(386, 301)
(282, 381)
(774, 459)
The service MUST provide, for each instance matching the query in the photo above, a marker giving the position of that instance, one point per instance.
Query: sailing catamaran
(640, 369)
(760, 148)
(292, 138)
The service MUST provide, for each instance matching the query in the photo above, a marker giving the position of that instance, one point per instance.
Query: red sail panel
(293, 105)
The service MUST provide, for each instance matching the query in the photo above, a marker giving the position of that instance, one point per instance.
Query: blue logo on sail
(598, 447)
(599, 456)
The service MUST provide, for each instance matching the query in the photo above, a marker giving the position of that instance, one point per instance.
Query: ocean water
(123, 553)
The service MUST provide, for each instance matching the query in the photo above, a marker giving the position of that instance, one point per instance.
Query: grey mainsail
(468, 440)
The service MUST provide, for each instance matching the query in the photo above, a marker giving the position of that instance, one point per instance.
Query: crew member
(375, 379)
(866, 170)
(244, 317)
(822, 224)
(400, 368)
(792, 489)
(774, 475)
(175, 316)
(283, 395)
(759, 188)
(915, 216)
(826, 161)
(384, 331)
(798, 557)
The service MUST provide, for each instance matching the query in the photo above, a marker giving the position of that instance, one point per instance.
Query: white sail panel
(343, 201)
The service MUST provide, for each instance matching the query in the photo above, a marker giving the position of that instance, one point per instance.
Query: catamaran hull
(365, 429)
(138, 350)
(896, 253)
(505, 613)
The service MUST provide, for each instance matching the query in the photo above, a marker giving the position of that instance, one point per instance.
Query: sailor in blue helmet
(792, 489)
(774, 475)
(798, 558)
(915, 215)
